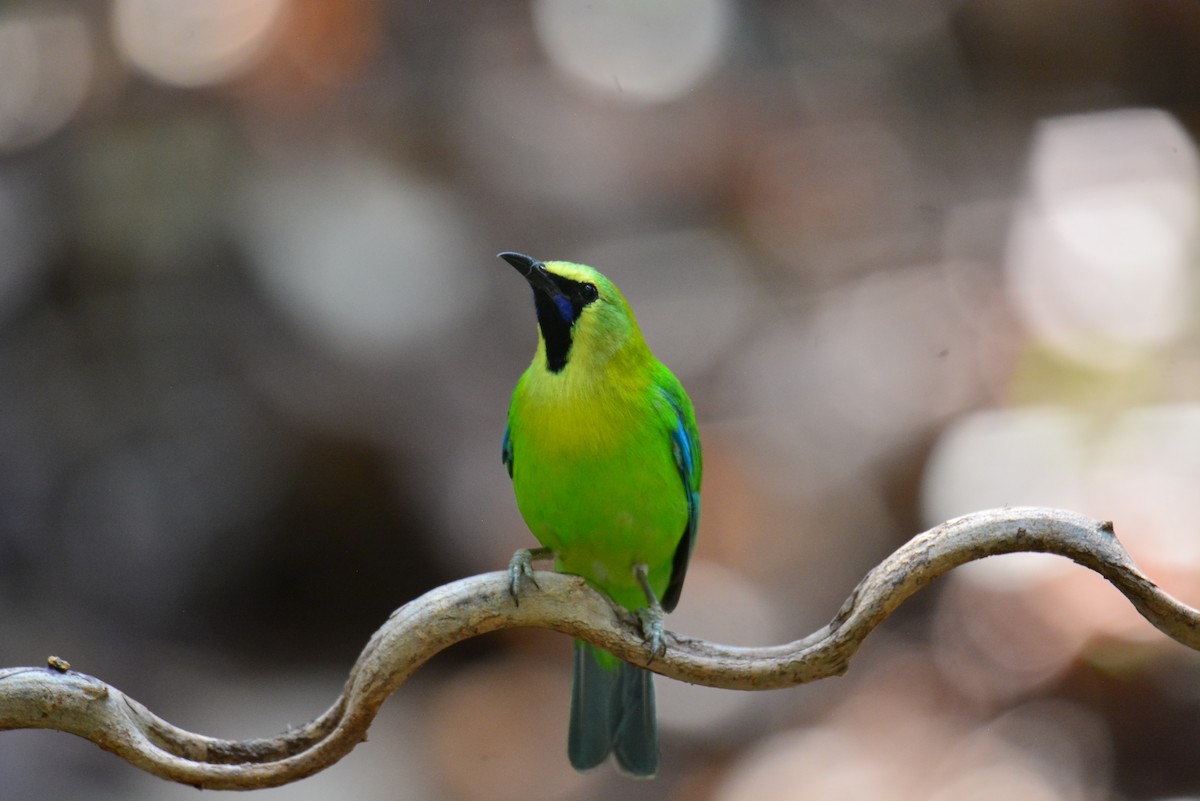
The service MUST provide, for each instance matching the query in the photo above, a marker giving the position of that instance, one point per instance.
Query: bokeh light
(1029, 456)
(797, 766)
(1101, 260)
(892, 320)
(46, 64)
(193, 44)
(366, 260)
(1146, 476)
(649, 52)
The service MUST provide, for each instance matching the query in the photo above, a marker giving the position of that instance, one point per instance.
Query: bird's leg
(520, 568)
(651, 616)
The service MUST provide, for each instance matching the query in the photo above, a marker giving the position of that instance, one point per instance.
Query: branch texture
(54, 697)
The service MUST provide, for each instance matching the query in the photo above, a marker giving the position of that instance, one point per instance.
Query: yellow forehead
(575, 272)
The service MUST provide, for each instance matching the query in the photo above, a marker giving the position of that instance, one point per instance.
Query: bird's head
(582, 315)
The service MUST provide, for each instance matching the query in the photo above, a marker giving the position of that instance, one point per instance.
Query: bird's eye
(588, 292)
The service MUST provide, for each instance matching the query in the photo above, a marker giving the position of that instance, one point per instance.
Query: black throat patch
(557, 313)
(556, 330)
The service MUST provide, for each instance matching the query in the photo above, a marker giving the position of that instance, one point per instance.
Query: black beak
(534, 271)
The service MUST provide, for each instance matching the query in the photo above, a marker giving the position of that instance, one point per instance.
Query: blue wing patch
(506, 452)
(685, 446)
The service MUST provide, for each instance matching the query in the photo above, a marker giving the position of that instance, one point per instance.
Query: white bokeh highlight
(1031, 456)
(1099, 262)
(189, 44)
(363, 258)
(1139, 468)
(46, 66)
(643, 52)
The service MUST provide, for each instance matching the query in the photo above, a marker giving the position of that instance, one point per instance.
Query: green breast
(600, 487)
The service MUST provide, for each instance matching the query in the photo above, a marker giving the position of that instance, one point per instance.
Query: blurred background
(911, 259)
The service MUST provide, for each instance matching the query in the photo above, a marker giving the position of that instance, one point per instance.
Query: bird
(603, 451)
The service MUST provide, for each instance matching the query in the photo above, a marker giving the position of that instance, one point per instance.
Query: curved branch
(73, 702)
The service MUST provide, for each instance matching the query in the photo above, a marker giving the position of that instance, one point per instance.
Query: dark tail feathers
(612, 711)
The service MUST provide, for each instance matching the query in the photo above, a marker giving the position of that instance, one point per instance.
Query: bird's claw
(520, 570)
(651, 619)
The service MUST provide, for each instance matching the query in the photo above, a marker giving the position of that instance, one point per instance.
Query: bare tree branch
(55, 698)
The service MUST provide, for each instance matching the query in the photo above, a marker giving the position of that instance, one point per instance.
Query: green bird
(604, 457)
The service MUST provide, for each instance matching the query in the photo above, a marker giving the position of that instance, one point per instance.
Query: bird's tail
(612, 711)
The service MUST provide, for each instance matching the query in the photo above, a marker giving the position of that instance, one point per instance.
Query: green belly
(602, 513)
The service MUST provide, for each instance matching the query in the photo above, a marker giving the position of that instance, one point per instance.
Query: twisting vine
(56, 697)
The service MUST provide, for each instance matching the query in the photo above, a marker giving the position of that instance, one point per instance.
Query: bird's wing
(685, 445)
(506, 451)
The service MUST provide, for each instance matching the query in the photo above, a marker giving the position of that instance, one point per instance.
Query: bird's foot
(650, 616)
(520, 569)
